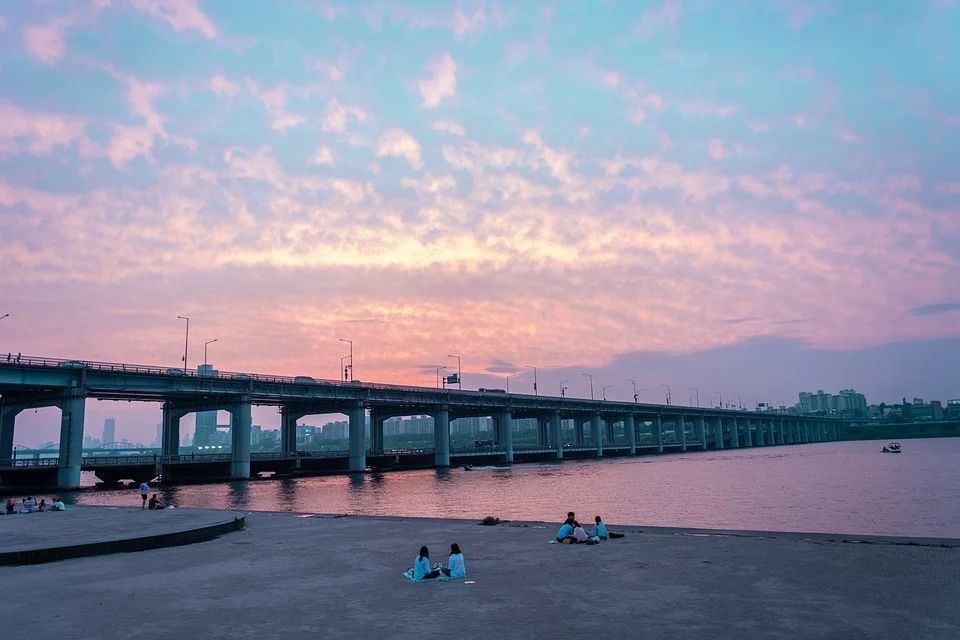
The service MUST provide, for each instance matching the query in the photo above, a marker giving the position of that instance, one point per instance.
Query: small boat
(893, 447)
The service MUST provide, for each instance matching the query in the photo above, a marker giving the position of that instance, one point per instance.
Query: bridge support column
(72, 408)
(170, 429)
(797, 433)
(377, 418)
(718, 427)
(630, 430)
(610, 431)
(357, 418)
(288, 429)
(735, 434)
(681, 423)
(761, 440)
(441, 437)
(8, 419)
(658, 432)
(240, 420)
(782, 434)
(505, 433)
(702, 433)
(748, 434)
(555, 434)
(595, 434)
(578, 431)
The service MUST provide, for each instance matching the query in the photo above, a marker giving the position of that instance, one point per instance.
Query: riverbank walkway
(306, 576)
(34, 538)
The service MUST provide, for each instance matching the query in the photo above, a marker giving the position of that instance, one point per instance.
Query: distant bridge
(31, 382)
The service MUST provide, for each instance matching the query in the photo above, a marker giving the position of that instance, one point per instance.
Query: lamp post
(186, 342)
(603, 391)
(563, 389)
(205, 349)
(508, 380)
(342, 368)
(668, 392)
(717, 393)
(696, 391)
(6, 315)
(350, 342)
(589, 375)
(459, 372)
(534, 379)
(439, 369)
(636, 392)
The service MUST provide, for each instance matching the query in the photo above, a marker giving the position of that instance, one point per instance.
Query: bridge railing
(24, 463)
(108, 461)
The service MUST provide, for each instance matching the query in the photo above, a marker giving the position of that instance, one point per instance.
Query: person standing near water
(144, 490)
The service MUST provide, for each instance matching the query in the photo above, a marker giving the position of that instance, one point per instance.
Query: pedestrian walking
(144, 490)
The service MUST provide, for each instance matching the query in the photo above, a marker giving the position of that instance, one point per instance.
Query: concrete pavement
(289, 576)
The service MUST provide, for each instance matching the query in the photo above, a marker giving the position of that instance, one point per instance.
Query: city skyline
(623, 189)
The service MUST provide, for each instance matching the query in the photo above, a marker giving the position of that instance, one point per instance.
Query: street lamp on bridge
(603, 391)
(668, 392)
(205, 349)
(636, 392)
(439, 369)
(696, 391)
(589, 375)
(6, 315)
(717, 393)
(350, 342)
(510, 375)
(563, 389)
(534, 379)
(186, 342)
(459, 372)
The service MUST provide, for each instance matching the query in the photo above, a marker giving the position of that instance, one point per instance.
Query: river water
(836, 487)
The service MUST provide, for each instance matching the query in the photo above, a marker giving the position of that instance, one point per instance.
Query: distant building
(848, 403)
(952, 411)
(109, 432)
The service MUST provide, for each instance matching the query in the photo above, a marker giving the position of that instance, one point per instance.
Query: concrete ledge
(107, 535)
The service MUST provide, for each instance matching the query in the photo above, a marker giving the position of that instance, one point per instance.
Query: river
(835, 487)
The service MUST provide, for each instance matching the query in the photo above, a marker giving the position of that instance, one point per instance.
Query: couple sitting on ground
(573, 532)
(456, 568)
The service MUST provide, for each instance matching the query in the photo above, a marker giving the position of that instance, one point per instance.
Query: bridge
(33, 382)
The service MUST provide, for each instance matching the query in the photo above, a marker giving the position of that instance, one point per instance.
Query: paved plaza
(296, 576)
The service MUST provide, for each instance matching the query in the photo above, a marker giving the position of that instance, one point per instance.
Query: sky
(636, 190)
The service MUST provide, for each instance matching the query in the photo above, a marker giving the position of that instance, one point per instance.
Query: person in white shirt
(144, 490)
(456, 568)
(58, 505)
(580, 534)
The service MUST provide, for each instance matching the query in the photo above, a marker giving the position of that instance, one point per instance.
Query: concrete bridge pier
(658, 432)
(72, 407)
(357, 418)
(441, 436)
(718, 431)
(170, 428)
(577, 430)
(782, 433)
(595, 434)
(288, 428)
(680, 429)
(609, 425)
(505, 433)
(543, 431)
(761, 439)
(377, 418)
(702, 433)
(8, 420)
(735, 434)
(630, 429)
(555, 434)
(240, 420)
(748, 434)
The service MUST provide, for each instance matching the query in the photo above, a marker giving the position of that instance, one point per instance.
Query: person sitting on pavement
(600, 529)
(154, 503)
(58, 505)
(565, 535)
(11, 506)
(421, 566)
(580, 534)
(28, 505)
(456, 568)
(42, 506)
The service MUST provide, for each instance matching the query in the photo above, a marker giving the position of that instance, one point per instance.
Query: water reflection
(847, 486)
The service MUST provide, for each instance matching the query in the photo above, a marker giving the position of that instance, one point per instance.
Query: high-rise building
(109, 432)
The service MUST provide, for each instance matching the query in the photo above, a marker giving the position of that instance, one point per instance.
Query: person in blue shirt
(456, 568)
(421, 566)
(600, 530)
(566, 533)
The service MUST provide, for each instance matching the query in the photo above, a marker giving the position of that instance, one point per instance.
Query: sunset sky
(753, 197)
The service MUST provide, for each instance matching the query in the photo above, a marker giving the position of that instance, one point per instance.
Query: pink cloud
(223, 86)
(181, 15)
(717, 152)
(463, 23)
(399, 143)
(442, 83)
(44, 42)
(36, 133)
(336, 116)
